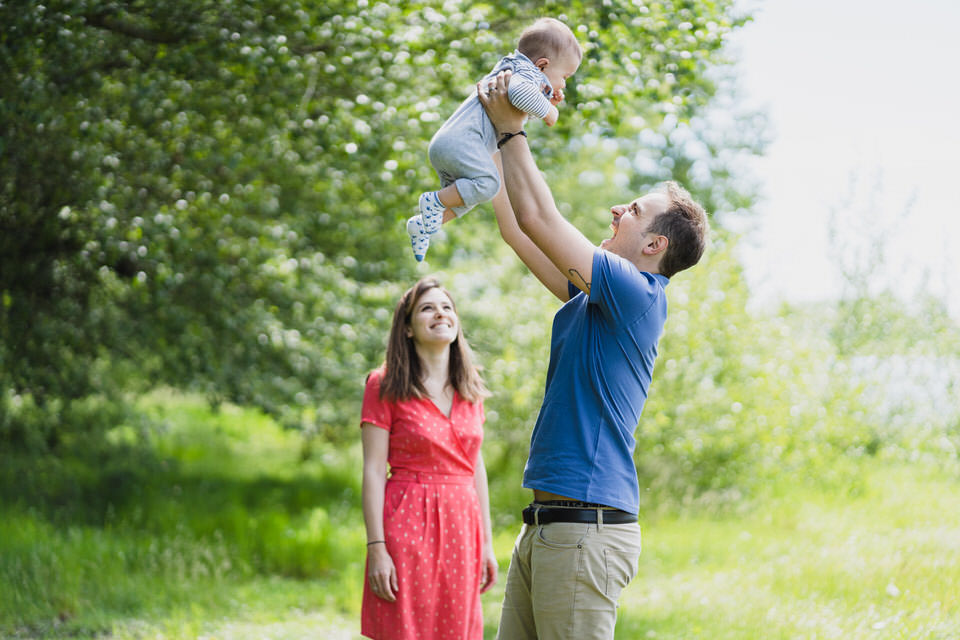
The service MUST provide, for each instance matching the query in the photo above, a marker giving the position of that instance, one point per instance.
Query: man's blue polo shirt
(601, 362)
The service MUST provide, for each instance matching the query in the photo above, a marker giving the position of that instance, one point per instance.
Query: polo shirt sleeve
(623, 293)
(375, 410)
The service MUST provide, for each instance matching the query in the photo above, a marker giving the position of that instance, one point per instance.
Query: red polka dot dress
(431, 519)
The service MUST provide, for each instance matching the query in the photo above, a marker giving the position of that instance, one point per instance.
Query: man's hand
(505, 117)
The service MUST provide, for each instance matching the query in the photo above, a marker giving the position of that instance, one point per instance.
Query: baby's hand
(557, 97)
(552, 115)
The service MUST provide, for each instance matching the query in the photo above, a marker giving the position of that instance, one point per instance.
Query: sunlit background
(862, 99)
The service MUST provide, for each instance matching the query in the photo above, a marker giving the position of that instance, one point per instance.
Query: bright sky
(855, 89)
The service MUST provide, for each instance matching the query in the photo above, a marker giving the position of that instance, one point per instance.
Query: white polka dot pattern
(432, 521)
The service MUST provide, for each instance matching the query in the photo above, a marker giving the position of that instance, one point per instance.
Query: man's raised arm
(538, 263)
(536, 212)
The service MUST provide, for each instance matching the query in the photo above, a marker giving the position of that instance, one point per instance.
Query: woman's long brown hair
(401, 379)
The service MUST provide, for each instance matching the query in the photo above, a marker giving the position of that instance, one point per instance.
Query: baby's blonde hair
(548, 38)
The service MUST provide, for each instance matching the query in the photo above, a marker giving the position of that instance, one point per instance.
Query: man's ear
(657, 244)
(542, 63)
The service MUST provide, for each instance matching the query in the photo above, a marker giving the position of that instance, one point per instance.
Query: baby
(462, 149)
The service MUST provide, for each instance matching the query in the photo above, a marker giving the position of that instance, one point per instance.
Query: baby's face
(560, 68)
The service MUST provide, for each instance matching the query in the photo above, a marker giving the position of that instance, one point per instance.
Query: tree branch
(110, 22)
(304, 49)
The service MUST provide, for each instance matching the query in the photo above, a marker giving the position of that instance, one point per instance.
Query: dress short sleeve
(375, 410)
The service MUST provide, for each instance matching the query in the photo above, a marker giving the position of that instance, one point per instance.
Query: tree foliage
(208, 195)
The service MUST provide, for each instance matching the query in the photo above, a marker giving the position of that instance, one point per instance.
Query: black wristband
(506, 137)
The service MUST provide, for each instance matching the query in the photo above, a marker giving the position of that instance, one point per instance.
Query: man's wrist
(505, 137)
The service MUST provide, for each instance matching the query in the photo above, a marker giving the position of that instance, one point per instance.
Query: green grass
(221, 520)
(881, 564)
(225, 531)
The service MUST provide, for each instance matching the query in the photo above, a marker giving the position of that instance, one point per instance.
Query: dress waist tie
(422, 477)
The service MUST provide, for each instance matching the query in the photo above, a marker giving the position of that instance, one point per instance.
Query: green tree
(208, 195)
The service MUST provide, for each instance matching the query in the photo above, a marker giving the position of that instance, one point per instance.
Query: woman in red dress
(429, 546)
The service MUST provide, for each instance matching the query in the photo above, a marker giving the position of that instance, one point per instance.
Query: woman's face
(433, 320)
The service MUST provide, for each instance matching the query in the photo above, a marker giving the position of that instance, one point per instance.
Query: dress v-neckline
(453, 401)
(454, 432)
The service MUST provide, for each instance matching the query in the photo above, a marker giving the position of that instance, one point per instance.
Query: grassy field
(225, 533)
(883, 564)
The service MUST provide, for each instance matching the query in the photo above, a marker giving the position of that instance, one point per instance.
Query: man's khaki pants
(565, 578)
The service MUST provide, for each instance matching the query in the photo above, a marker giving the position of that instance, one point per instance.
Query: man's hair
(685, 226)
(401, 379)
(548, 38)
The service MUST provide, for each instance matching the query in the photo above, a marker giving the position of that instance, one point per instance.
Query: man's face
(630, 223)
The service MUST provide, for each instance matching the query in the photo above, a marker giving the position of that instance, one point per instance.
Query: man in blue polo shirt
(580, 541)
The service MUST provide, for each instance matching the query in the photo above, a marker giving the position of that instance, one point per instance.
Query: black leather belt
(535, 514)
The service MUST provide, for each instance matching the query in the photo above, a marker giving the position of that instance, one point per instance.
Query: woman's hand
(382, 573)
(488, 576)
(505, 117)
